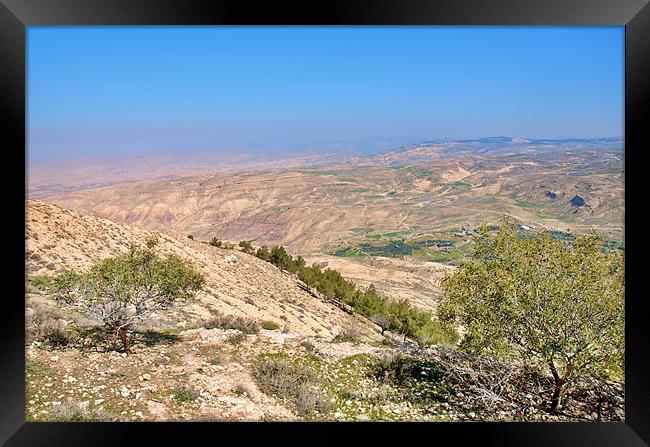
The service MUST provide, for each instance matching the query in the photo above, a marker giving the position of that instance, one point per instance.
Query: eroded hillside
(58, 239)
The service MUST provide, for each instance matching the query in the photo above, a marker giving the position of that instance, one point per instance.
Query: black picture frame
(16, 15)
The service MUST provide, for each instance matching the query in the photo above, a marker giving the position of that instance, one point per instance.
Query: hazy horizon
(130, 91)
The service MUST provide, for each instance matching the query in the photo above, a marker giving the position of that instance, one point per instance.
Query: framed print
(355, 217)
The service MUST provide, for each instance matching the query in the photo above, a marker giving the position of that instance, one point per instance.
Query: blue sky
(132, 90)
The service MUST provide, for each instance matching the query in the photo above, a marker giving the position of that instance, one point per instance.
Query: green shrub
(420, 379)
(185, 394)
(269, 325)
(299, 384)
(246, 246)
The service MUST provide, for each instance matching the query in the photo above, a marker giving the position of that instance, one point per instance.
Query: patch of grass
(40, 282)
(183, 395)
(460, 185)
(347, 179)
(269, 325)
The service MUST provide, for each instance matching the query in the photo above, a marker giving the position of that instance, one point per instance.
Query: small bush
(278, 376)
(309, 399)
(189, 236)
(246, 247)
(419, 378)
(269, 325)
(220, 321)
(215, 242)
(299, 384)
(185, 394)
(57, 336)
(349, 334)
(71, 411)
(47, 326)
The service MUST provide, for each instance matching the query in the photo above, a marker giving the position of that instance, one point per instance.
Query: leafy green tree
(557, 303)
(403, 319)
(125, 290)
(299, 264)
(280, 257)
(370, 303)
(263, 253)
(246, 246)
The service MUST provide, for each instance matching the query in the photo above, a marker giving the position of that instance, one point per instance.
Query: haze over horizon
(129, 91)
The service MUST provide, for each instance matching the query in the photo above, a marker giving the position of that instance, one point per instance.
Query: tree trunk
(556, 399)
(558, 391)
(125, 339)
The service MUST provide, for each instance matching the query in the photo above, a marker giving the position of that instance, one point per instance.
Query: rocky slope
(236, 283)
